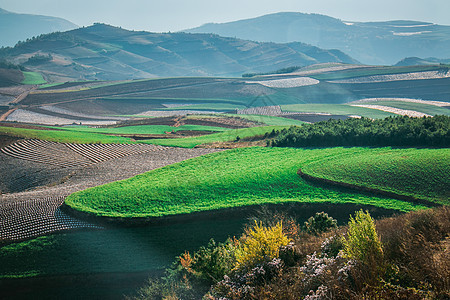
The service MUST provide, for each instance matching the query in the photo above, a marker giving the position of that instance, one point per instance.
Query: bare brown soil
(225, 122)
(36, 190)
(10, 77)
(6, 140)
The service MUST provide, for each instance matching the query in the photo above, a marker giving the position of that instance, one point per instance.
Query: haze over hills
(19, 27)
(105, 52)
(377, 43)
(416, 61)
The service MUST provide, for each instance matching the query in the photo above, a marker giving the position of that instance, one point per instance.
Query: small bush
(211, 263)
(363, 245)
(319, 223)
(362, 242)
(260, 244)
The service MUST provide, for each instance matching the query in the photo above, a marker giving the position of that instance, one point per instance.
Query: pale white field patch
(287, 82)
(397, 77)
(170, 113)
(429, 102)
(403, 112)
(22, 115)
(409, 33)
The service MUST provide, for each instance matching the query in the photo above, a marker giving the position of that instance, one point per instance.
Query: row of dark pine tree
(399, 131)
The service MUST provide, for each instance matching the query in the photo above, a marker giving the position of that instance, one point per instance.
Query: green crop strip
(270, 120)
(63, 136)
(420, 173)
(337, 109)
(227, 136)
(232, 178)
(33, 78)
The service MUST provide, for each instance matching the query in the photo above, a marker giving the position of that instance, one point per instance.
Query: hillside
(19, 27)
(377, 43)
(103, 52)
(311, 94)
(416, 61)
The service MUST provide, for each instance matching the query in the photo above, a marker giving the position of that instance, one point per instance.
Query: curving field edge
(364, 189)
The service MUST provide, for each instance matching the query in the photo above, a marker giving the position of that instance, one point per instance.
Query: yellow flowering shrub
(260, 244)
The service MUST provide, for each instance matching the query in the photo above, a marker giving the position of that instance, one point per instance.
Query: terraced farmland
(232, 178)
(25, 219)
(80, 155)
(32, 191)
(226, 136)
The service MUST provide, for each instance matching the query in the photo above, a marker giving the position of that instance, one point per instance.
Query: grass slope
(63, 136)
(33, 78)
(423, 173)
(226, 136)
(270, 120)
(337, 109)
(232, 178)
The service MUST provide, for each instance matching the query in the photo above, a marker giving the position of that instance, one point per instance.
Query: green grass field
(219, 107)
(337, 109)
(33, 78)
(63, 136)
(226, 136)
(270, 120)
(421, 173)
(233, 178)
(142, 129)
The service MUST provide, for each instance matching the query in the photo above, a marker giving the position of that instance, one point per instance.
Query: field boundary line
(364, 189)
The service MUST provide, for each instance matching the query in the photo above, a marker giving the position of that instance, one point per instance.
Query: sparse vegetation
(363, 266)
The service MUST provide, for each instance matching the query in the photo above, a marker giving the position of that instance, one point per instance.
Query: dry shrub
(417, 245)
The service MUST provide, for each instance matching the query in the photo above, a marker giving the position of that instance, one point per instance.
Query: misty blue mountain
(377, 43)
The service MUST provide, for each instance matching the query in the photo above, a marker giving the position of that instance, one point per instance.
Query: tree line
(391, 131)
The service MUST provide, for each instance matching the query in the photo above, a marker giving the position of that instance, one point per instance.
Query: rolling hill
(376, 43)
(19, 27)
(104, 52)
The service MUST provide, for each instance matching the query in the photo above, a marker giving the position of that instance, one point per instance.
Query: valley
(150, 165)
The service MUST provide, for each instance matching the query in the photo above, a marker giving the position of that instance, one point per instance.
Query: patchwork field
(232, 178)
(226, 136)
(93, 166)
(175, 96)
(62, 136)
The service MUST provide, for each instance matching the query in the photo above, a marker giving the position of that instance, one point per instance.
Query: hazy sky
(173, 15)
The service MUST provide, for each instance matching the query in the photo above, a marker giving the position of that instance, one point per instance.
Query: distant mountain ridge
(416, 61)
(105, 52)
(19, 27)
(377, 43)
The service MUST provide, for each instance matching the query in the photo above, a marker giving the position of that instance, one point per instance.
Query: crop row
(25, 219)
(79, 155)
